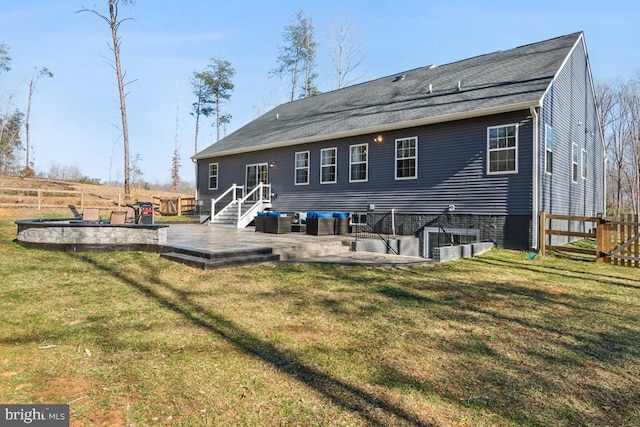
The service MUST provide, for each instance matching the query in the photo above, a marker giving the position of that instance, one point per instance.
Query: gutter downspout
(535, 208)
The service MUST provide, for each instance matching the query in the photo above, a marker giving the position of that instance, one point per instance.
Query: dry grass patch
(494, 340)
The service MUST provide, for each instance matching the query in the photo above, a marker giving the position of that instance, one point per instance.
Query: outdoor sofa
(327, 223)
(272, 222)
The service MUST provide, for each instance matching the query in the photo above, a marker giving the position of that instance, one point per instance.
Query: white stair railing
(251, 207)
(233, 190)
(246, 206)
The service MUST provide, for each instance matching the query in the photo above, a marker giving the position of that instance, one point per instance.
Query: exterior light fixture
(272, 165)
(378, 139)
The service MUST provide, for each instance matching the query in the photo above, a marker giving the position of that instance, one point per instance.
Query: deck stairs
(209, 260)
(234, 208)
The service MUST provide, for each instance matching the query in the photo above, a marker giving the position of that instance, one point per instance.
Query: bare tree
(37, 73)
(114, 23)
(175, 160)
(204, 103)
(619, 109)
(345, 52)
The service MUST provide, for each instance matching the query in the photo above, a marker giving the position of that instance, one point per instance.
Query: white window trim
(583, 169)
(395, 166)
(489, 150)
(547, 150)
(335, 165)
(366, 162)
(296, 168)
(575, 162)
(217, 175)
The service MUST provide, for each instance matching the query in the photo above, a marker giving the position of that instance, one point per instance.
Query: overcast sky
(75, 116)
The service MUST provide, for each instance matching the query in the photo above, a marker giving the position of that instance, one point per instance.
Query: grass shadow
(339, 392)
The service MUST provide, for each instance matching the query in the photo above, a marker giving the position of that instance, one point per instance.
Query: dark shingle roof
(486, 84)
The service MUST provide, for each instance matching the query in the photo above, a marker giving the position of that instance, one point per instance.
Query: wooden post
(179, 206)
(81, 201)
(600, 239)
(543, 229)
(39, 199)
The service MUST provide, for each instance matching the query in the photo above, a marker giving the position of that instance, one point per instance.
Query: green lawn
(498, 340)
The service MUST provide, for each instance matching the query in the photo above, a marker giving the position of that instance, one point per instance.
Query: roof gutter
(377, 129)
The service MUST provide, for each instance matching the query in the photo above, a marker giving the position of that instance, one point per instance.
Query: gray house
(489, 141)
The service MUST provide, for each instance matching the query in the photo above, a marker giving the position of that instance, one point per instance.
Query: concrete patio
(292, 247)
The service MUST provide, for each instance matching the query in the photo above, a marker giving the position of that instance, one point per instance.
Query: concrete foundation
(449, 253)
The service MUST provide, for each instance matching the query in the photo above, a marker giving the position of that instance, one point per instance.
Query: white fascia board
(378, 129)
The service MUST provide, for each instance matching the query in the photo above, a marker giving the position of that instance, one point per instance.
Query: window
(213, 176)
(302, 168)
(549, 150)
(328, 165)
(574, 163)
(407, 158)
(584, 164)
(502, 142)
(358, 162)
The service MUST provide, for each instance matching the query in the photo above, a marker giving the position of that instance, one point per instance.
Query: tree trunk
(123, 107)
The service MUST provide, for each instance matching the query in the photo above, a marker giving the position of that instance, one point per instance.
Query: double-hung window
(549, 150)
(328, 165)
(302, 168)
(584, 164)
(502, 147)
(407, 158)
(358, 162)
(213, 176)
(574, 163)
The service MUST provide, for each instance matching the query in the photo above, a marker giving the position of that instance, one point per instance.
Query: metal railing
(376, 230)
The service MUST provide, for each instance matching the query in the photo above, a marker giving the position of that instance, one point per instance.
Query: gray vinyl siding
(569, 108)
(452, 169)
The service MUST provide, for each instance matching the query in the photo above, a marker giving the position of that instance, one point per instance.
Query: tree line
(619, 108)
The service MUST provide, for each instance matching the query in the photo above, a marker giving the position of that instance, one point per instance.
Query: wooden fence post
(543, 229)
(600, 239)
(179, 206)
(39, 199)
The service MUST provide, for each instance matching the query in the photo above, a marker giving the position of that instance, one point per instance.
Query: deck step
(233, 259)
(203, 253)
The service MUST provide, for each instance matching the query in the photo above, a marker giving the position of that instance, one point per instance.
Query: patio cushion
(341, 214)
(321, 215)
